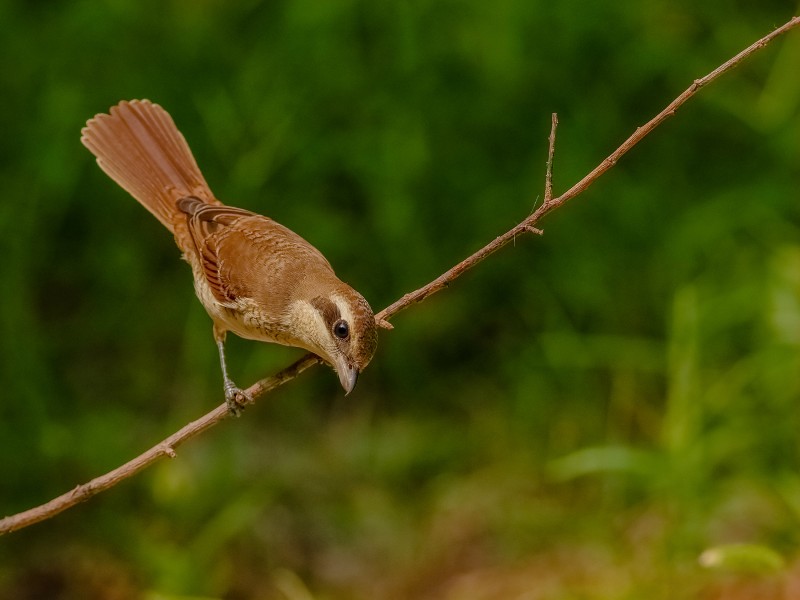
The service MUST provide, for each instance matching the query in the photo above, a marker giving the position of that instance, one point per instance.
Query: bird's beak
(348, 375)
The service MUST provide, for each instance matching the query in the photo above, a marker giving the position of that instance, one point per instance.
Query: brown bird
(255, 277)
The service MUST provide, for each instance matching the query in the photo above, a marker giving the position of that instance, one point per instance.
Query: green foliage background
(580, 417)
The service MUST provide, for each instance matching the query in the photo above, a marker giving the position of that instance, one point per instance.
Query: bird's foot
(236, 398)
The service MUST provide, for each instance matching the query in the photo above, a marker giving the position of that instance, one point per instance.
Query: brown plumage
(254, 276)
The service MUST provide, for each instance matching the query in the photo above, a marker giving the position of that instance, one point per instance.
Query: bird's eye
(341, 329)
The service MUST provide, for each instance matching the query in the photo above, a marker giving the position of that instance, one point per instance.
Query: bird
(254, 277)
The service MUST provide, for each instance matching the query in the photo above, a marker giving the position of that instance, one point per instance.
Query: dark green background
(579, 417)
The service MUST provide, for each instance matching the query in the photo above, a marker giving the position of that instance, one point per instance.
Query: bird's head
(341, 329)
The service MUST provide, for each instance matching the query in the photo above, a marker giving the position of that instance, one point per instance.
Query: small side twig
(167, 447)
(551, 149)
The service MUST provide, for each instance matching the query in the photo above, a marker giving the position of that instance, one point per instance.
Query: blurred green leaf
(742, 558)
(600, 460)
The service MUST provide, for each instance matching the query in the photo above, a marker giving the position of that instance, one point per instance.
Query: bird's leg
(235, 398)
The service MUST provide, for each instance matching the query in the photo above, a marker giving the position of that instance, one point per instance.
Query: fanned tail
(138, 145)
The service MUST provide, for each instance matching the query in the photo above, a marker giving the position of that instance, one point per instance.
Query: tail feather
(138, 145)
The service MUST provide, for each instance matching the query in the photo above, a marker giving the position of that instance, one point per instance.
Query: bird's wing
(209, 225)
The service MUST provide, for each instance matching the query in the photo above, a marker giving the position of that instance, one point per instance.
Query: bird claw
(236, 398)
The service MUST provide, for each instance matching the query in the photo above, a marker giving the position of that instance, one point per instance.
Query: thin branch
(551, 150)
(167, 447)
(528, 224)
(645, 130)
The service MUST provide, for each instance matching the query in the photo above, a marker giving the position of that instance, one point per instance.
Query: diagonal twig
(167, 447)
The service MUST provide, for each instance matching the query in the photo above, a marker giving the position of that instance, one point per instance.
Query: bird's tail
(138, 145)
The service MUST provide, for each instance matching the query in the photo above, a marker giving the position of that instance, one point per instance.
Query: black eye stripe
(333, 317)
(329, 311)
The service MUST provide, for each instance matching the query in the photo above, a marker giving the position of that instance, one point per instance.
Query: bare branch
(167, 447)
(670, 109)
(446, 278)
(548, 176)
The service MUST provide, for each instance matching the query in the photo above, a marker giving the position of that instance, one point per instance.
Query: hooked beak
(348, 375)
